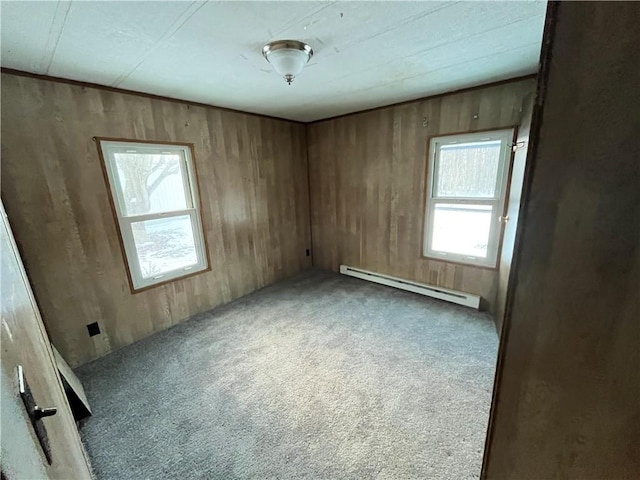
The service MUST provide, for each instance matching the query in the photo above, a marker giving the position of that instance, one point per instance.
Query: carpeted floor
(319, 376)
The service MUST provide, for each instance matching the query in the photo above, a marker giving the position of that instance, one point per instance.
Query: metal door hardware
(43, 412)
(36, 413)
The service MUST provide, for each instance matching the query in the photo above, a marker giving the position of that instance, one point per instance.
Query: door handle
(39, 413)
(36, 413)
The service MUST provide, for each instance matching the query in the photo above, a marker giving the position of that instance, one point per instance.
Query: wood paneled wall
(367, 178)
(252, 180)
(566, 399)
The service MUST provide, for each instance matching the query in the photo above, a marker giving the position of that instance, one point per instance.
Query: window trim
(191, 184)
(508, 133)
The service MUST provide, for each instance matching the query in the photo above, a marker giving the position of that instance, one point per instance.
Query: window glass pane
(461, 229)
(150, 183)
(468, 170)
(164, 244)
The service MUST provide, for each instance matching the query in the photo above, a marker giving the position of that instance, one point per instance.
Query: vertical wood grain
(253, 186)
(367, 176)
(565, 402)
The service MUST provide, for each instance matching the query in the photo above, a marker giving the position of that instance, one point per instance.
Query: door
(25, 343)
(513, 208)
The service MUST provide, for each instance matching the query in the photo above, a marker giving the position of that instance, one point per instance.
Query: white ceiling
(366, 54)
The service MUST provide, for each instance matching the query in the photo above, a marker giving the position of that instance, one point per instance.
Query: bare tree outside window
(141, 175)
(157, 211)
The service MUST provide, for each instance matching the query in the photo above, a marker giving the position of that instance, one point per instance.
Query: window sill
(459, 262)
(135, 290)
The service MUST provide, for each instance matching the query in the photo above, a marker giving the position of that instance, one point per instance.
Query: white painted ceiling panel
(28, 40)
(463, 75)
(107, 40)
(366, 54)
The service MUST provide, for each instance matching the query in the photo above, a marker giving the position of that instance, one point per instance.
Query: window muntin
(154, 193)
(467, 178)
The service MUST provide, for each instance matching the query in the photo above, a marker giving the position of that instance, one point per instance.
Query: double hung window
(155, 199)
(466, 188)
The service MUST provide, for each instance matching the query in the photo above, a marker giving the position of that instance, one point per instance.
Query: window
(155, 199)
(466, 188)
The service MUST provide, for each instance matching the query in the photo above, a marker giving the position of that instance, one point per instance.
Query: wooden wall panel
(367, 177)
(566, 402)
(253, 184)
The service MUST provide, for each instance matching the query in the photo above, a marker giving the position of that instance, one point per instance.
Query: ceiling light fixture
(288, 57)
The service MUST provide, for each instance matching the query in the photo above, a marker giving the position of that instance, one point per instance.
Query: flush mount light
(288, 57)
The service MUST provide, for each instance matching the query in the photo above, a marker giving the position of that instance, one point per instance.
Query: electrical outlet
(93, 329)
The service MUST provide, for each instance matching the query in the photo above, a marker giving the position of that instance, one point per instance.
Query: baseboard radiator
(461, 298)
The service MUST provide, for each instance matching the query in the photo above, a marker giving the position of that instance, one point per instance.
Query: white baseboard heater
(461, 298)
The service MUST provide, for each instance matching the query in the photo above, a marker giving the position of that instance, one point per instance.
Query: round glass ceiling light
(288, 57)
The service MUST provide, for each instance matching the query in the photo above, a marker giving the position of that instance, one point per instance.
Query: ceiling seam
(440, 45)
(189, 12)
(422, 52)
(304, 17)
(504, 25)
(403, 23)
(453, 65)
(388, 85)
(57, 41)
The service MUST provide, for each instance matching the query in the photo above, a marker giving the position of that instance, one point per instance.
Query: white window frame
(124, 221)
(505, 136)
